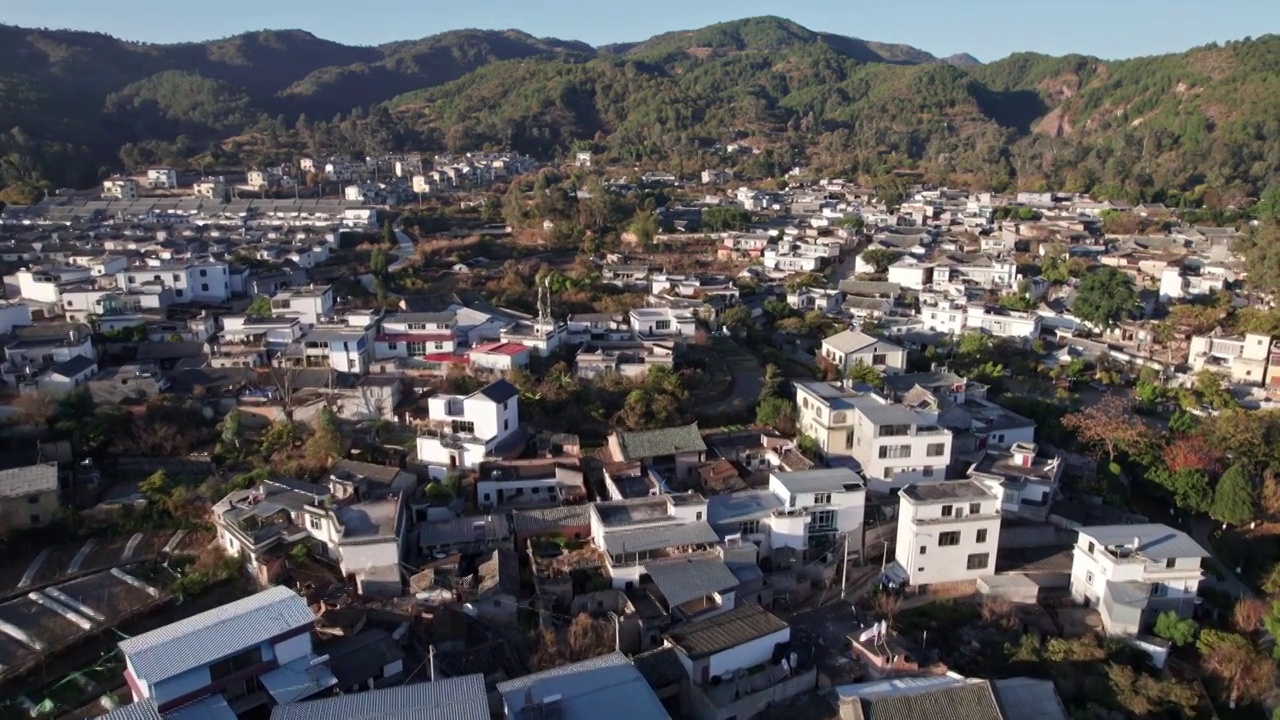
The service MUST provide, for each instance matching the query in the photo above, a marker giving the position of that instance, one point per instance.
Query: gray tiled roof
(821, 480)
(551, 519)
(683, 579)
(1155, 541)
(214, 634)
(727, 630)
(659, 537)
(660, 667)
(967, 701)
(608, 684)
(460, 698)
(29, 480)
(1029, 699)
(643, 444)
(743, 505)
(144, 710)
(73, 366)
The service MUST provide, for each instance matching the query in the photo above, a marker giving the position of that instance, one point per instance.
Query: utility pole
(844, 566)
(431, 658)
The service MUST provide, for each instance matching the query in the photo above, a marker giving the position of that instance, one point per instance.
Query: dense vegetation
(1192, 128)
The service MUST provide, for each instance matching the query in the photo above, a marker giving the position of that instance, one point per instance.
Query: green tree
(231, 424)
(325, 443)
(1104, 297)
(860, 372)
(156, 487)
(1177, 630)
(1234, 501)
(736, 317)
(879, 258)
(378, 262)
(777, 412)
(388, 234)
(1190, 488)
(260, 307)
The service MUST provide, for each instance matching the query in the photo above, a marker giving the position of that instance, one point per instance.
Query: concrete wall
(702, 707)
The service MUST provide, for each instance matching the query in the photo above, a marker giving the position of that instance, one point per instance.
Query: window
(204, 273)
(236, 663)
(486, 497)
(506, 424)
(1090, 548)
(176, 277)
(392, 346)
(178, 292)
(982, 535)
(1170, 563)
(698, 515)
(823, 520)
(314, 522)
(879, 359)
(35, 518)
(464, 426)
(895, 451)
(662, 325)
(417, 326)
(926, 472)
(936, 450)
(949, 539)
(894, 430)
(975, 508)
(749, 527)
(1088, 577)
(439, 346)
(33, 499)
(822, 498)
(978, 561)
(1158, 590)
(946, 510)
(924, 549)
(848, 441)
(204, 287)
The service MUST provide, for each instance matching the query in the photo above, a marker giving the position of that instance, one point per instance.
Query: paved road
(748, 379)
(404, 251)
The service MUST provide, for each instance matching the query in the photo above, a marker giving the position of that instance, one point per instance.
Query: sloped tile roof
(29, 480)
(642, 444)
(683, 579)
(727, 630)
(968, 701)
(460, 698)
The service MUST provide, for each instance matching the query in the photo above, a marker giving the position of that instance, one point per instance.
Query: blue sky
(988, 29)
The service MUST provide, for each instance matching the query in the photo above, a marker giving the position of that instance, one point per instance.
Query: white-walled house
(230, 654)
(464, 430)
(162, 178)
(742, 638)
(1131, 573)
(848, 348)
(190, 281)
(663, 322)
(947, 532)
(13, 315)
(308, 304)
(894, 444)
(818, 507)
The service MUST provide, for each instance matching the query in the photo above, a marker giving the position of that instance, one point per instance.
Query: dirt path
(748, 380)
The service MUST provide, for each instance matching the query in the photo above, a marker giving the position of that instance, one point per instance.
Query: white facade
(911, 273)
(464, 429)
(662, 322)
(947, 532)
(162, 178)
(893, 444)
(308, 304)
(197, 281)
(1242, 359)
(1132, 572)
(848, 348)
(997, 322)
(13, 315)
(815, 503)
(122, 188)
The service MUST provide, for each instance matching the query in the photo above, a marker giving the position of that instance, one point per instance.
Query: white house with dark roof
(457, 698)
(463, 430)
(1132, 573)
(673, 453)
(251, 652)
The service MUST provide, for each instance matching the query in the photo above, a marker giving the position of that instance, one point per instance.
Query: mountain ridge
(77, 105)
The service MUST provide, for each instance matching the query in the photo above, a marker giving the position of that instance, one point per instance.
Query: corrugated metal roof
(683, 579)
(821, 480)
(726, 630)
(215, 634)
(144, 710)
(460, 698)
(29, 480)
(659, 537)
(605, 685)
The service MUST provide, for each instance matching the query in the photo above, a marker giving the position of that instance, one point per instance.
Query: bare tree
(998, 612)
(1246, 674)
(34, 409)
(886, 605)
(1248, 614)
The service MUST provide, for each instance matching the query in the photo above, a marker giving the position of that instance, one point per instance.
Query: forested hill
(1192, 127)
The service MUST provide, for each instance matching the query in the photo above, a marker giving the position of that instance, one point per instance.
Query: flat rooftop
(369, 519)
(946, 491)
(633, 511)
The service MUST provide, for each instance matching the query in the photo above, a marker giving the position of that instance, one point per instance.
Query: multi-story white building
(848, 348)
(818, 507)
(464, 430)
(1132, 573)
(121, 188)
(212, 188)
(947, 532)
(1241, 359)
(911, 272)
(191, 281)
(416, 335)
(942, 314)
(998, 322)
(308, 304)
(663, 322)
(894, 444)
(162, 178)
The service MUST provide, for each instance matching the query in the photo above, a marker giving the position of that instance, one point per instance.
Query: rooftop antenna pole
(431, 658)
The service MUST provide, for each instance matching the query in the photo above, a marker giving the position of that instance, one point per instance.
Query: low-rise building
(947, 532)
(249, 653)
(629, 359)
(463, 430)
(1240, 359)
(29, 496)
(1025, 478)
(848, 348)
(1132, 573)
(456, 698)
(120, 188)
(672, 453)
(582, 689)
